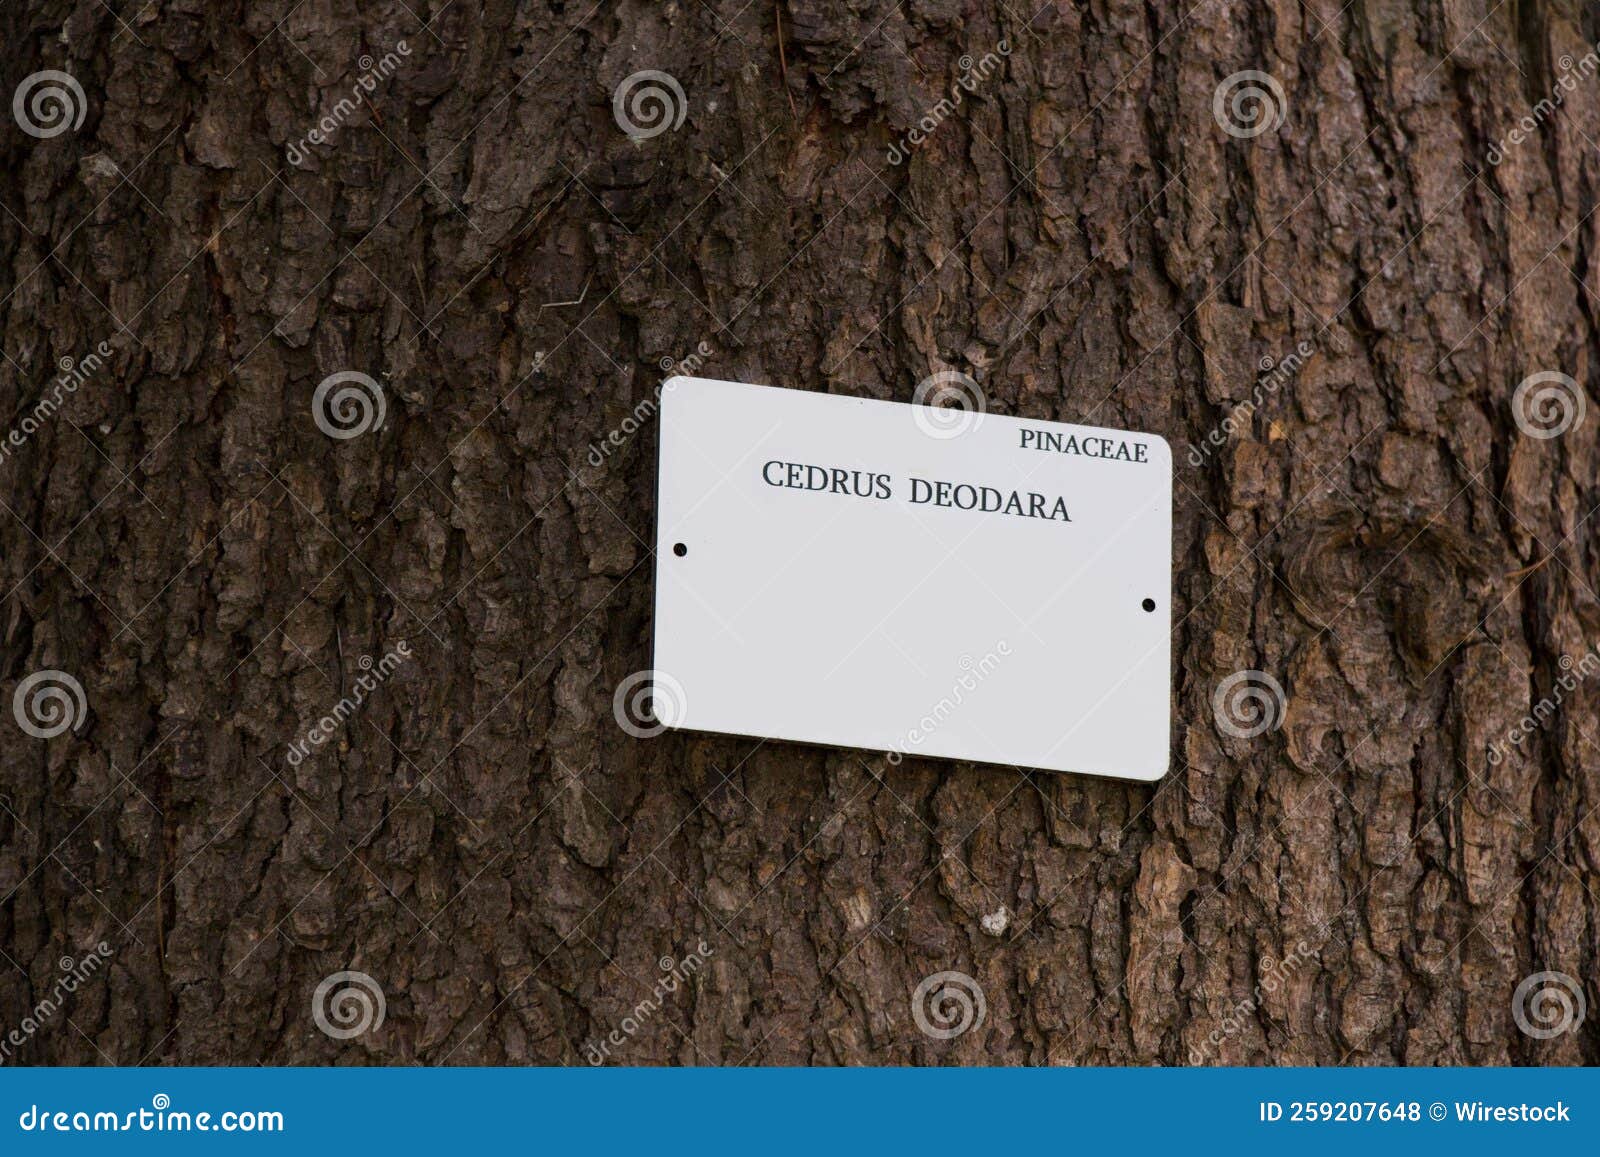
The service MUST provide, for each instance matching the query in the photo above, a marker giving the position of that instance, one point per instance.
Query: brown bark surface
(1079, 234)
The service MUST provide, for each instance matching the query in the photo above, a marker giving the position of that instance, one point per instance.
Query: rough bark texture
(1079, 234)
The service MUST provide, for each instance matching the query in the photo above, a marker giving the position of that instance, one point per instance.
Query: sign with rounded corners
(907, 578)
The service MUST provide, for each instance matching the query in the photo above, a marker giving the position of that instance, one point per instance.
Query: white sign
(908, 579)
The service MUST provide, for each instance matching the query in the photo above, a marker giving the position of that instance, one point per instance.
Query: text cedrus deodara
(880, 486)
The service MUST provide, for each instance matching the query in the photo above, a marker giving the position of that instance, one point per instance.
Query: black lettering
(1117, 449)
(827, 479)
(919, 487)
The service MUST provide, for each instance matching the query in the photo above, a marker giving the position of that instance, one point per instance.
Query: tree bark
(1367, 883)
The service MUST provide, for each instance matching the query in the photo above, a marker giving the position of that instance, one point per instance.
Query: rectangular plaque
(904, 578)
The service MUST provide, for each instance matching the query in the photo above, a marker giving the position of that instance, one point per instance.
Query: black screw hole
(680, 550)
(1149, 604)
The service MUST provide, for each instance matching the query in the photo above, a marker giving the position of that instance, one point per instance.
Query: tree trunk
(1324, 301)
